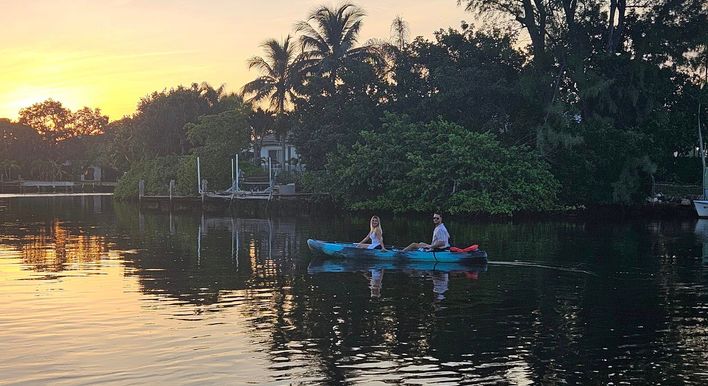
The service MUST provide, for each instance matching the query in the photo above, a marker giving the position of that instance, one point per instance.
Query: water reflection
(440, 283)
(55, 246)
(198, 298)
(195, 260)
(55, 249)
(437, 273)
(375, 282)
(701, 231)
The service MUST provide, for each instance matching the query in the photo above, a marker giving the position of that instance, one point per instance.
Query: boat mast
(700, 136)
(700, 146)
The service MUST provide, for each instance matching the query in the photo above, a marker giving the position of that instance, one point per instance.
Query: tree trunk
(257, 152)
(621, 8)
(569, 8)
(284, 149)
(615, 30)
(611, 26)
(536, 27)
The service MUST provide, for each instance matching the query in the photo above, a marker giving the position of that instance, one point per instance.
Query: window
(273, 154)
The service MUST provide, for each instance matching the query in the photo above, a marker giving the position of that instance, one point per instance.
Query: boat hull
(701, 207)
(350, 251)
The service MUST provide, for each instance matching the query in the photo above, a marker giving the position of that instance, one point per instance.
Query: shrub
(437, 165)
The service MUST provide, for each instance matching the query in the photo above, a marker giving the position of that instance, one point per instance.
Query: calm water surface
(95, 292)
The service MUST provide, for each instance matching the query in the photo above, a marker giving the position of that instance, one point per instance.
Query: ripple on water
(156, 314)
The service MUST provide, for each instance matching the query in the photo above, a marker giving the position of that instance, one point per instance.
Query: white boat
(701, 207)
(702, 204)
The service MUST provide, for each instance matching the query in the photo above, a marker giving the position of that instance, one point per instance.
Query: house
(92, 173)
(272, 148)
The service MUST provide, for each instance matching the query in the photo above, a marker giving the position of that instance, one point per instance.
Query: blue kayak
(359, 265)
(350, 250)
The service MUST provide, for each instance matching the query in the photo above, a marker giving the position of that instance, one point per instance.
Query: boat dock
(253, 205)
(256, 195)
(35, 186)
(278, 199)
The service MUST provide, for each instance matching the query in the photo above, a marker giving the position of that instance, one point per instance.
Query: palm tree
(260, 121)
(42, 169)
(328, 38)
(7, 167)
(281, 74)
(399, 33)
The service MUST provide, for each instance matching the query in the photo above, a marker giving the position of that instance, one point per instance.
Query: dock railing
(671, 191)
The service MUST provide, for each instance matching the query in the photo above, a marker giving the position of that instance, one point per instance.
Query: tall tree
(532, 15)
(329, 38)
(470, 78)
(161, 117)
(20, 143)
(399, 33)
(8, 168)
(55, 123)
(50, 118)
(281, 75)
(120, 147)
(218, 138)
(344, 82)
(86, 121)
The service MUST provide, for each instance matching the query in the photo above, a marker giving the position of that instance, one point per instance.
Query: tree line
(45, 137)
(539, 105)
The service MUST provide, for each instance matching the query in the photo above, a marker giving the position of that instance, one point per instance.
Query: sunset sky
(110, 53)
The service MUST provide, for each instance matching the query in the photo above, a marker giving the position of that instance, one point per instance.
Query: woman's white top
(375, 241)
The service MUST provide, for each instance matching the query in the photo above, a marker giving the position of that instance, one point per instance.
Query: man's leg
(415, 246)
(411, 247)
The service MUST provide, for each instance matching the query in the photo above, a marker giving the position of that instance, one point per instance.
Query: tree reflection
(541, 325)
(55, 246)
(637, 319)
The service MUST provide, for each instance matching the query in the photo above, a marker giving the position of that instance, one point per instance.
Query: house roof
(271, 139)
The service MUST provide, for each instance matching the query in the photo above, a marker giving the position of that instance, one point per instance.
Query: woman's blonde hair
(378, 229)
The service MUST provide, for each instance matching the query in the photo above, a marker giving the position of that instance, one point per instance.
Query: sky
(108, 54)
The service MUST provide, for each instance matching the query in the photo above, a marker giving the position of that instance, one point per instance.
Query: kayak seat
(471, 248)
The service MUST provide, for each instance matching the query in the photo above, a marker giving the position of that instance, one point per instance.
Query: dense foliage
(215, 139)
(50, 142)
(411, 166)
(609, 105)
(602, 102)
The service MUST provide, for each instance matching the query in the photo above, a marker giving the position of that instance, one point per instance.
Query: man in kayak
(441, 238)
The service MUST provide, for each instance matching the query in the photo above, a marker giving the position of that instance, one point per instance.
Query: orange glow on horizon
(72, 52)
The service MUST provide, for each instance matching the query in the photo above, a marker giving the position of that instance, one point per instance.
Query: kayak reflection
(374, 271)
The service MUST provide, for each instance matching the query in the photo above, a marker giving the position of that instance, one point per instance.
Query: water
(94, 292)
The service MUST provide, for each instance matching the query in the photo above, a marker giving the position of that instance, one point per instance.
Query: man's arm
(437, 244)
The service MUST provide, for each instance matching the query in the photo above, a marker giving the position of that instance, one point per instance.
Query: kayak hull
(357, 265)
(350, 251)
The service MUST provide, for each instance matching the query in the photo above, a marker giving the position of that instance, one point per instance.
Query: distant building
(92, 173)
(273, 148)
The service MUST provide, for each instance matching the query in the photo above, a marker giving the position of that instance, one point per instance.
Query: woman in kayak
(375, 235)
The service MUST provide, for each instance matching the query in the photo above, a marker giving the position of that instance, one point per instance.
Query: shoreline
(21, 195)
(309, 206)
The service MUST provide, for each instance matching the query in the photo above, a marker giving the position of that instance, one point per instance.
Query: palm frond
(260, 87)
(349, 39)
(260, 64)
